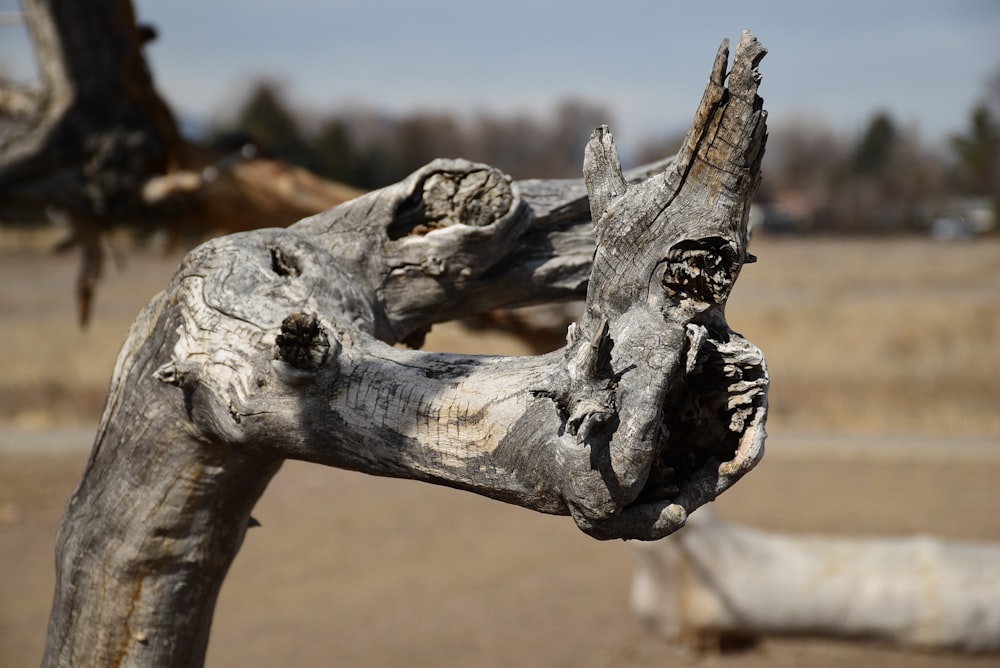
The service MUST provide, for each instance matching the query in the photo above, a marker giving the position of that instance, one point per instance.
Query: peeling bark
(277, 344)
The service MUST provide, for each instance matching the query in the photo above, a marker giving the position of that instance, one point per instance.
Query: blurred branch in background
(95, 145)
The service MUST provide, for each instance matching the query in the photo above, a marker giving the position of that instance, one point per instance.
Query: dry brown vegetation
(883, 340)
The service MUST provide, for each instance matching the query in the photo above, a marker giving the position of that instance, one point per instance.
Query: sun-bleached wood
(277, 344)
(714, 580)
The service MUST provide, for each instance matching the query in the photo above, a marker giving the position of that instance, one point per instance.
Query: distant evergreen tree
(978, 152)
(265, 119)
(875, 149)
(335, 155)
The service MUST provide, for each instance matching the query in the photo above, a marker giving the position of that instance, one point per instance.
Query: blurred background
(876, 301)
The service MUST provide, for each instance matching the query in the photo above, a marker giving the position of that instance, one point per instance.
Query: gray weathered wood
(277, 344)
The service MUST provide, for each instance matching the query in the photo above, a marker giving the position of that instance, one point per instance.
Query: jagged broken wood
(276, 344)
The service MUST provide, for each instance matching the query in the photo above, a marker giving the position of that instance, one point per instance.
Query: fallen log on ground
(715, 583)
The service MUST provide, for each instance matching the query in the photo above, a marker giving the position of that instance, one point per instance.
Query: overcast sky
(925, 62)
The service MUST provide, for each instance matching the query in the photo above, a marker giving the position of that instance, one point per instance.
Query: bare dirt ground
(885, 418)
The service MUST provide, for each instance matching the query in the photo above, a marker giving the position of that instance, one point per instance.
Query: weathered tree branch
(276, 344)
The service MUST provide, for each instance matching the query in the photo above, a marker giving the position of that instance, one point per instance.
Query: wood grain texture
(277, 344)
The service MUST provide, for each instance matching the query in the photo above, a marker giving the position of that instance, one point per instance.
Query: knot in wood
(284, 263)
(475, 198)
(303, 342)
(702, 270)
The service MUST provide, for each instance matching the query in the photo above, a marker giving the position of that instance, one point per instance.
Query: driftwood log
(277, 344)
(715, 584)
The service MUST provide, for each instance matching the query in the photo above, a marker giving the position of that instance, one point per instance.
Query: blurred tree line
(885, 179)
(368, 149)
(882, 180)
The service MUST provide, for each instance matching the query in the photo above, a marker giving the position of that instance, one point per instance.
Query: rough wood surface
(277, 344)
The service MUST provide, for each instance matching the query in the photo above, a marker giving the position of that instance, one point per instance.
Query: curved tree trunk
(276, 344)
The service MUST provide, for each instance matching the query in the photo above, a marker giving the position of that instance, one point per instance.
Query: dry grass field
(896, 336)
(870, 344)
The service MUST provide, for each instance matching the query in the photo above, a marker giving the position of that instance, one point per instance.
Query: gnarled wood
(276, 344)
